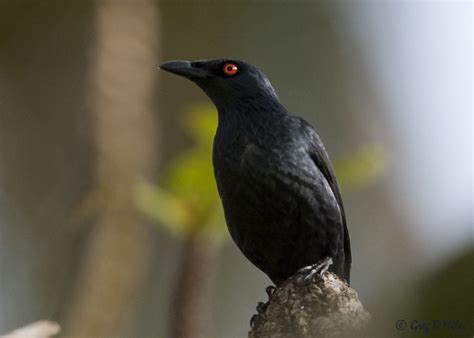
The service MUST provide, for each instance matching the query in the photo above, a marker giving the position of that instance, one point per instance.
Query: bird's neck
(248, 123)
(249, 111)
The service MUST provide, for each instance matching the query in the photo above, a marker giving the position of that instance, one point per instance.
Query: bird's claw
(270, 290)
(309, 272)
(261, 306)
(253, 320)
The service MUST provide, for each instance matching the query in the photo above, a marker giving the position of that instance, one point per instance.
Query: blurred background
(110, 221)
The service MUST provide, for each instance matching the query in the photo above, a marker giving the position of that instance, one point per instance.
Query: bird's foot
(261, 306)
(307, 274)
(270, 290)
(253, 320)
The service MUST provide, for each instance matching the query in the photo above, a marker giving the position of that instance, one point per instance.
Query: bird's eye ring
(230, 69)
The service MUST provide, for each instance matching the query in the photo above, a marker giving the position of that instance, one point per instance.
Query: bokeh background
(110, 222)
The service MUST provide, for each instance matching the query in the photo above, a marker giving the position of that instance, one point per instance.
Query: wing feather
(321, 159)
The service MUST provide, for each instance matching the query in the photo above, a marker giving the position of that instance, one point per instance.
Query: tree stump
(321, 306)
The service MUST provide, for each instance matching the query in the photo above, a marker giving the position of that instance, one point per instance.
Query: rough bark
(317, 307)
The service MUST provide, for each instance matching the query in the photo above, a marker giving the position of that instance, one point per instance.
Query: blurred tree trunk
(122, 81)
(191, 305)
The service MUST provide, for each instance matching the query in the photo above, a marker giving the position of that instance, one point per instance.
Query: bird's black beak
(185, 69)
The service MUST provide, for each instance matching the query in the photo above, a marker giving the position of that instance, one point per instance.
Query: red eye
(230, 69)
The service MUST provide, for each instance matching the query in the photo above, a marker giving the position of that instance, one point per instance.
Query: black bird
(281, 200)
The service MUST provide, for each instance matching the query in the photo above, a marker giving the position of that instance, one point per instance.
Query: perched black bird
(281, 201)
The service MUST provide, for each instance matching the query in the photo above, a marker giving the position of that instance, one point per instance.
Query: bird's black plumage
(281, 200)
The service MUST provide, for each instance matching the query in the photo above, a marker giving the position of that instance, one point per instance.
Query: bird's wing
(321, 159)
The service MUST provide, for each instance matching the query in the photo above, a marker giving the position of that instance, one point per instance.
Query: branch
(319, 307)
(191, 306)
(39, 329)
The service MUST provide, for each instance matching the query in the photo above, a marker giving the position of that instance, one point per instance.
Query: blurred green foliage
(360, 168)
(186, 201)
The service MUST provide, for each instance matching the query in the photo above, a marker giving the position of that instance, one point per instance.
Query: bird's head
(227, 82)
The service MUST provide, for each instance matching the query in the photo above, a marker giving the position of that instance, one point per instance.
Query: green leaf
(187, 199)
